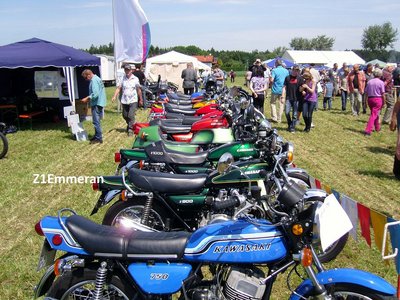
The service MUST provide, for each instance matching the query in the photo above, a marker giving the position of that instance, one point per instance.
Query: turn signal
(117, 157)
(38, 229)
(290, 156)
(297, 229)
(306, 257)
(58, 264)
(123, 195)
(143, 136)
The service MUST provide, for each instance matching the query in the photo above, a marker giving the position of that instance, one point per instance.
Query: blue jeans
(308, 109)
(97, 115)
(291, 106)
(344, 99)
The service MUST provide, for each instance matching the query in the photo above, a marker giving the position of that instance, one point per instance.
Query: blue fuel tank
(237, 241)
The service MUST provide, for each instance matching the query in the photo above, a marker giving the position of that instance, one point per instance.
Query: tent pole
(115, 57)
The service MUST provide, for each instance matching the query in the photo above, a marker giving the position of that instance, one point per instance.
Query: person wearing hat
(256, 67)
(131, 96)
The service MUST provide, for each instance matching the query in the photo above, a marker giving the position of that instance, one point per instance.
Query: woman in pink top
(375, 90)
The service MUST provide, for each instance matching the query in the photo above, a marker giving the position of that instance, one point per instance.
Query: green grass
(335, 152)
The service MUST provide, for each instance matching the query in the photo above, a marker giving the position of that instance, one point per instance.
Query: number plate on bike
(46, 256)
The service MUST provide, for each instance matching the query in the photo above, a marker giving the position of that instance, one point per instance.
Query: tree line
(376, 40)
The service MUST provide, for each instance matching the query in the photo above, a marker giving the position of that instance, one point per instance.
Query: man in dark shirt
(292, 93)
(139, 74)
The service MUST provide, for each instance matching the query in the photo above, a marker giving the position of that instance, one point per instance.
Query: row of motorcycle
(211, 213)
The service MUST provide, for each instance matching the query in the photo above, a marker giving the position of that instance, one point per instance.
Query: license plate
(47, 256)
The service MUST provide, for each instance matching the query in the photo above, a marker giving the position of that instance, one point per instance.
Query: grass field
(335, 152)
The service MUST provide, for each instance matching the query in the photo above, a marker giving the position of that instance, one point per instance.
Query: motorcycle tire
(3, 145)
(353, 292)
(333, 251)
(80, 284)
(133, 210)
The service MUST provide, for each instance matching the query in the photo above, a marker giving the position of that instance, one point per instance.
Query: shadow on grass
(354, 130)
(380, 150)
(378, 174)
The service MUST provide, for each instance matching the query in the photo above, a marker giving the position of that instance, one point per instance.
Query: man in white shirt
(131, 95)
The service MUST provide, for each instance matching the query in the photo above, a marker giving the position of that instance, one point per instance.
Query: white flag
(131, 31)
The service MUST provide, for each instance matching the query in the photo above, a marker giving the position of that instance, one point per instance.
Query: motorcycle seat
(186, 120)
(186, 112)
(166, 183)
(179, 96)
(180, 102)
(175, 128)
(178, 106)
(109, 241)
(174, 157)
(165, 122)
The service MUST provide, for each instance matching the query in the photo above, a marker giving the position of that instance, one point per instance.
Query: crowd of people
(296, 91)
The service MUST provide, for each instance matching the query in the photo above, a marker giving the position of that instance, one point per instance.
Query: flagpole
(115, 57)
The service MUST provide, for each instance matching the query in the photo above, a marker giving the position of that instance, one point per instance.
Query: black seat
(165, 182)
(165, 122)
(180, 102)
(176, 106)
(188, 112)
(175, 128)
(174, 157)
(109, 241)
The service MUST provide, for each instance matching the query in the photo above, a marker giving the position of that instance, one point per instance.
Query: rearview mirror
(224, 162)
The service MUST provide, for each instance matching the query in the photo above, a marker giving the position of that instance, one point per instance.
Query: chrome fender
(105, 199)
(351, 276)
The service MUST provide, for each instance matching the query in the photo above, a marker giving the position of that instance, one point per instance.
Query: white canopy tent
(326, 58)
(170, 65)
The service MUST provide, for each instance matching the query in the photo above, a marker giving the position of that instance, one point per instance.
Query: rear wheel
(353, 292)
(3, 145)
(81, 283)
(130, 213)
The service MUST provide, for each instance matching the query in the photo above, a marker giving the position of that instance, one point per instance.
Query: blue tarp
(39, 53)
(271, 62)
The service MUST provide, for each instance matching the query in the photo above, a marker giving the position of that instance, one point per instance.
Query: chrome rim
(84, 290)
(134, 214)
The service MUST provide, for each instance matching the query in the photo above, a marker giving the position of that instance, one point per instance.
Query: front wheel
(347, 291)
(81, 283)
(3, 145)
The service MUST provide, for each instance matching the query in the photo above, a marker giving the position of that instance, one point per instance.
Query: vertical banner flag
(131, 31)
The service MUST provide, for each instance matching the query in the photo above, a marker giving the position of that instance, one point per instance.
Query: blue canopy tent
(19, 62)
(271, 62)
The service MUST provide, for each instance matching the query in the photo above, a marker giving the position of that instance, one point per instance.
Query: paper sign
(332, 221)
(72, 119)
(68, 110)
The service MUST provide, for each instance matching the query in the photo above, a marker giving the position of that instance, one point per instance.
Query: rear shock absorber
(100, 281)
(147, 209)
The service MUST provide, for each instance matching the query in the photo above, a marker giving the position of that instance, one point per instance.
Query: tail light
(38, 229)
(117, 157)
(95, 186)
(58, 265)
(141, 164)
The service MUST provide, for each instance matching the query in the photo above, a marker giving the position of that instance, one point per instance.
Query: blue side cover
(159, 278)
(351, 276)
(51, 227)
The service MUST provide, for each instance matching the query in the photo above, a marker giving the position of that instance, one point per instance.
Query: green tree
(299, 43)
(322, 42)
(379, 37)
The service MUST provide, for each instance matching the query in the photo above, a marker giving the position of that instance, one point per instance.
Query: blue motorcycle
(235, 259)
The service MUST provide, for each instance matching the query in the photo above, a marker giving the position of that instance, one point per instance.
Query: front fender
(350, 276)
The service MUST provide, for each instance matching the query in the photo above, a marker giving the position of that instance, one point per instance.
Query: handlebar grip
(225, 204)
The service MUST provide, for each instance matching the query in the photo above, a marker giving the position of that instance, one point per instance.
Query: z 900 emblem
(159, 276)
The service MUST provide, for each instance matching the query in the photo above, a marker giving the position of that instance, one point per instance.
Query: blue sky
(222, 24)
